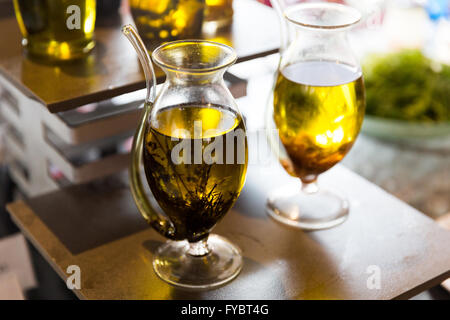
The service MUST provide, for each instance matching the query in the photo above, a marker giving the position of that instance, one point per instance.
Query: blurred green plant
(406, 85)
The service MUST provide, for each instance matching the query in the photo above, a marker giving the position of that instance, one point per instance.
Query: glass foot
(175, 263)
(316, 210)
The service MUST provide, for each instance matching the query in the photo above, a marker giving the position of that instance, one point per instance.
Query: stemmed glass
(317, 111)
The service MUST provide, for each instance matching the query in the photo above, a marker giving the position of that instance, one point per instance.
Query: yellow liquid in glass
(44, 26)
(195, 195)
(318, 110)
(161, 21)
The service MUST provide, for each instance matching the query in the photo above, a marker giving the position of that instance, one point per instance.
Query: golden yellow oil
(195, 195)
(44, 26)
(161, 21)
(318, 110)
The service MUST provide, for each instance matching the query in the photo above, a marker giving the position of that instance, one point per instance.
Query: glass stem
(310, 186)
(199, 248)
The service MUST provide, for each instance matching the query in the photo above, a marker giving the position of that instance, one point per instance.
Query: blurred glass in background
(57, 30)
(161, 21)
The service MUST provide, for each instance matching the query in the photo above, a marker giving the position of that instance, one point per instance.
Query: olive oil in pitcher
(197, 193)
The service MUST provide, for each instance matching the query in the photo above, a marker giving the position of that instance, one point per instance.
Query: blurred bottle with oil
(160, 21)
(57, 30)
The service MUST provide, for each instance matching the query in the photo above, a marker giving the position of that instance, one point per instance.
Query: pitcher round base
(174, 265)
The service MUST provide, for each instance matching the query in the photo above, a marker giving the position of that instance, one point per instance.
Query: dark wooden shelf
(113, 68)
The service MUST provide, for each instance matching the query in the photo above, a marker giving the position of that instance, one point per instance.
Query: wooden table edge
(424, 286)
(21, 205)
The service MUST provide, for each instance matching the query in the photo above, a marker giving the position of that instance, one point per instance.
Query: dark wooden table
(98, 228)
(113, 68)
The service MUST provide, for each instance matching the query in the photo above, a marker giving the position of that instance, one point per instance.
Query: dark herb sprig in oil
(194, 196)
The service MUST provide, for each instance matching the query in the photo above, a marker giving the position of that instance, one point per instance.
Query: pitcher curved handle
(156, 220)
(160, 224)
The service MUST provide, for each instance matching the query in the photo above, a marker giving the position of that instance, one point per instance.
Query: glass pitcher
(317, 110)
(192, 143)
